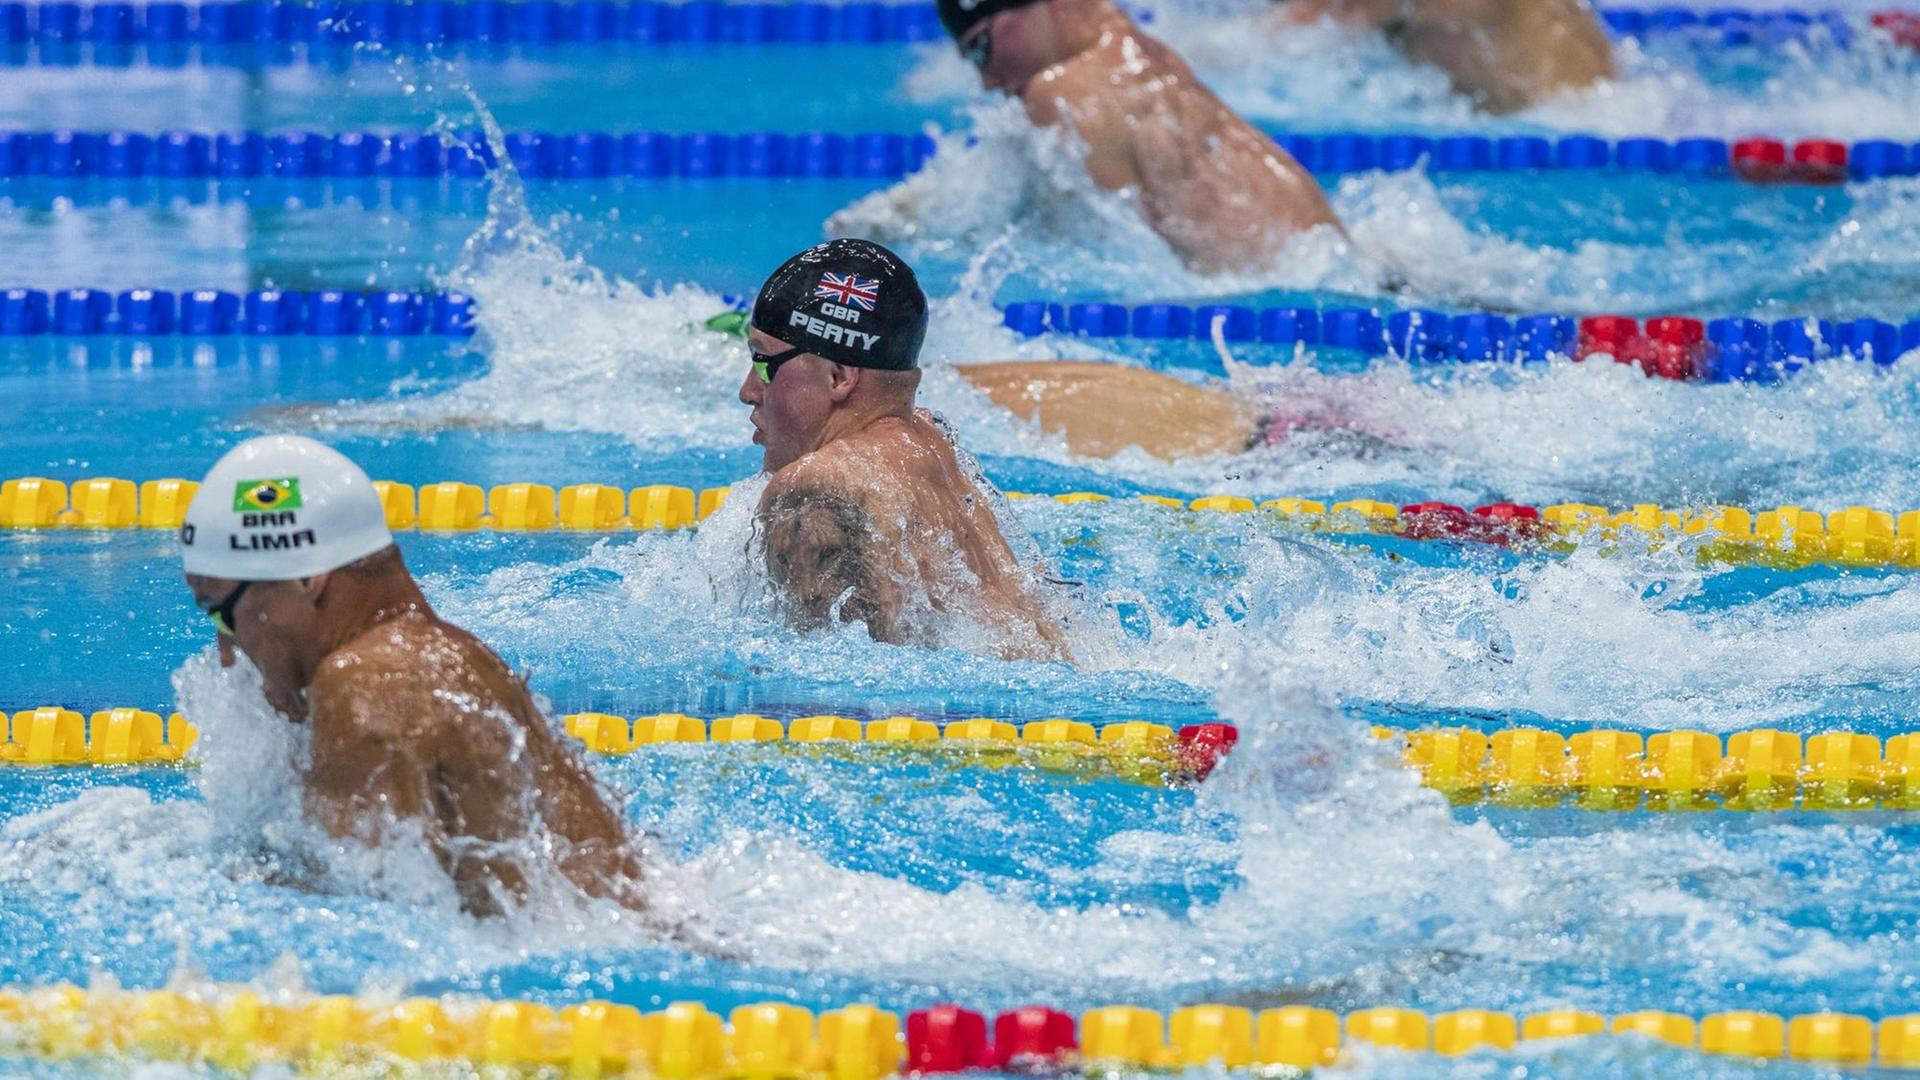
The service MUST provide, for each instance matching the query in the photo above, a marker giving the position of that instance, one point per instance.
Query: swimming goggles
(979, 51)
(222, 613)
(768, 365)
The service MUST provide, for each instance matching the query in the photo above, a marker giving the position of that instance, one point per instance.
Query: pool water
(1311, 867)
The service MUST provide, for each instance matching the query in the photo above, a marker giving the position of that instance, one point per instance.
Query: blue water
(1310, 868)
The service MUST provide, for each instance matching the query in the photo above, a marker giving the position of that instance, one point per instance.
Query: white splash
(1315, 78)
(1018, 198)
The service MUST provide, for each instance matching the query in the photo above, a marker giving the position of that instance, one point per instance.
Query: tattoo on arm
(822, 551)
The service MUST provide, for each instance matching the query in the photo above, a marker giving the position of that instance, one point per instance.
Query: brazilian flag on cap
(279, 493)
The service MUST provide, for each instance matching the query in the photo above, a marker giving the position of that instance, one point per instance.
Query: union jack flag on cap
(862, 293)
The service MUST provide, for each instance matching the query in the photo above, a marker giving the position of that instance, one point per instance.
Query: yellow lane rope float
(1597, 769)
(1784, 536)
(238, 1028)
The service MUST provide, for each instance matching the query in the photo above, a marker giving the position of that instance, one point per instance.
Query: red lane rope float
(1903, 27)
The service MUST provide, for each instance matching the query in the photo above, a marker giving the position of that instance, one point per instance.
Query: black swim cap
(850, 301)
(960, 16)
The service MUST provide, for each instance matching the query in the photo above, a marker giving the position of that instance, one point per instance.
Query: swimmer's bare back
(1101, 409)
(415, 721)
(1221, 193)
(1503, 54)
(875, 518)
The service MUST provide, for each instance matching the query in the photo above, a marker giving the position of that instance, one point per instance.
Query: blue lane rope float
(433, 23)
(538, 155)
(1722, 350)
(216, 312)
(248, 33)
(66, 155)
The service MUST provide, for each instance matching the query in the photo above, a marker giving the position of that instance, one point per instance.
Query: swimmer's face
(790, 413)
(273, 623)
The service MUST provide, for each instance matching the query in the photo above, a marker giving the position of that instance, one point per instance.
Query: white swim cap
(280, 508)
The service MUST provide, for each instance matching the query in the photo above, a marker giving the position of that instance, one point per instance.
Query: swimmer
(1505, 55)
(414, 723)
(872, 513)
(1221, 193)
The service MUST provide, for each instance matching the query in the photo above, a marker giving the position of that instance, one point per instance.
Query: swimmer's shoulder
(867, 483)
(1080, 85)
(866, 463)
(393, 677)
(833, 468)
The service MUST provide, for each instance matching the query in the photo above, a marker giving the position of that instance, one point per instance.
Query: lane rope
(75, 156)
(238, 1028)
(1143, 752)
(150, 313)
(1602, 769)
(252, 34)
(536, 155)
(1669, 346)
(1785, 537)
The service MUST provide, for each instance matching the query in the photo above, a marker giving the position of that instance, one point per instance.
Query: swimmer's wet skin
(1221, 193)
(872, 513)
(1505, 55)
(416, 728)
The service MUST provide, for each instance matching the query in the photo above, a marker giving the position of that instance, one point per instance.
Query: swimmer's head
(1011, 41)
(269, 524)
(837, 327)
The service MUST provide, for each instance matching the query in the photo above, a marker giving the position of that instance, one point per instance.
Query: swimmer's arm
(384, 752)
(822, 551)
(365, 774)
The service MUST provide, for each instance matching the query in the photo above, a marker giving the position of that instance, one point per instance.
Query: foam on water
(1345, 883)
(1596, 432)
(571, 348)
(1599, 432)
(1647, 639)
(1351, 886)
(1019, 199)
(636, 363)
(1323, 78)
